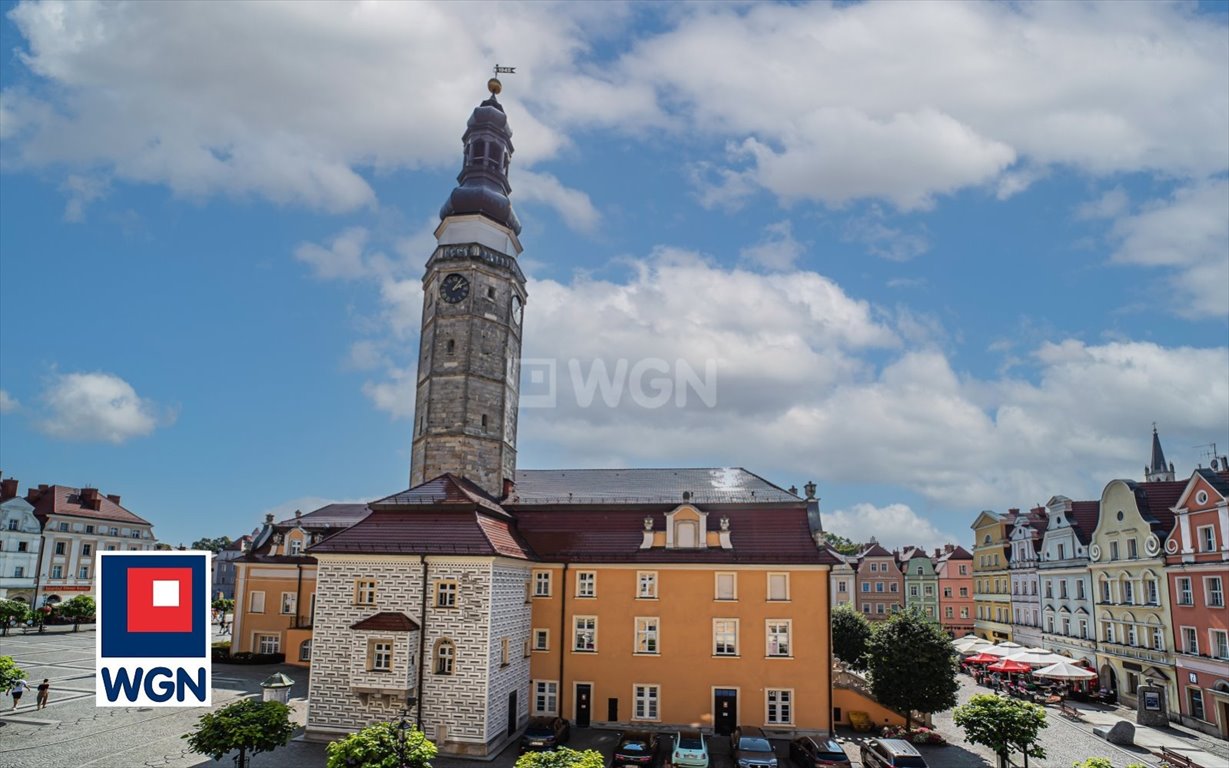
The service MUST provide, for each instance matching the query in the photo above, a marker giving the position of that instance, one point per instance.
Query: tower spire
(1157, 470)
(483, 186)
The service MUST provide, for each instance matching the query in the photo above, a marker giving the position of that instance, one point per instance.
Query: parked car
(891, 753)
(806, 752)
(636, 749)
(545, 733)
(751, 748)
(690, 751)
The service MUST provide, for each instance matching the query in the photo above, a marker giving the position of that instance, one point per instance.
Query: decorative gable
(686, 528)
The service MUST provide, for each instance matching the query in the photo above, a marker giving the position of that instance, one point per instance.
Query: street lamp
(403, 725)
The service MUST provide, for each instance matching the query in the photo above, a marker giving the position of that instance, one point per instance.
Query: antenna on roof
(1208, 452)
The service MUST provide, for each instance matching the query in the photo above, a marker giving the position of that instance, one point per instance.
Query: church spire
(483, 182)
(1158, 470)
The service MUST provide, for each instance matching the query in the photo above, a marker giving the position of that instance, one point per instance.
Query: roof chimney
(91, 498)
(269, 518)
(938, 553)
(298, 513)
(113, 498)
(8, 488)
(793, 489)
(509, 487)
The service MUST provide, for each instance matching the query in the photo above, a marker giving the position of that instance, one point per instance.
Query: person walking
(17, 690)
(44, 690)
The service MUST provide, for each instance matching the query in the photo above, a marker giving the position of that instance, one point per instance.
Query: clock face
(454, 288)
(518, 309)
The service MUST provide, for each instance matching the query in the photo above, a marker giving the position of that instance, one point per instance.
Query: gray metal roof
(714, 485)
(329, 516)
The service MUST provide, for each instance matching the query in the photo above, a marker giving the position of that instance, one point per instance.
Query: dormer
(686, 528)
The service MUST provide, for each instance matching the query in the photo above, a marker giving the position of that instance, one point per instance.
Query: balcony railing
(1135, 652)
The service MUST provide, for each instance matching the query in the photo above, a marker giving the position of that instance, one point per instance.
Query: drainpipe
(831, 703)
(298, 594)
(563, 633)
(422, 644)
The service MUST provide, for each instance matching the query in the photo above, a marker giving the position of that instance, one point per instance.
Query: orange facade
(682, 643)
(272, 599)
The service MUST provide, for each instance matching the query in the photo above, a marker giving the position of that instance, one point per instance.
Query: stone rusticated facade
(510, 618)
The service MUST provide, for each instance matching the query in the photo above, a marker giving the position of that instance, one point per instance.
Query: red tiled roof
(875, 549)
(428, 531)
(957, 553)
(1084, 516)
(1156, 501)
(328, 516)
(63, 500)
(445, 489)
(387, 621)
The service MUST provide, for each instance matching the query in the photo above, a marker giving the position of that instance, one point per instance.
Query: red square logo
(159, 599)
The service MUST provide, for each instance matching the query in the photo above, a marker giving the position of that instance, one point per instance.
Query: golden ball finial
(494, 86)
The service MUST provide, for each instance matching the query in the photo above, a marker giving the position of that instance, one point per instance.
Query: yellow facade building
(991, 577)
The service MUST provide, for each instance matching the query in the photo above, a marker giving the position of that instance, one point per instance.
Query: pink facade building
(954, 566)
(881, 585)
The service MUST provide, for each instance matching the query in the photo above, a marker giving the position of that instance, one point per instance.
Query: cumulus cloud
(8, 403)
(343, 258)
(98, 407)
(777, 250)
(572, 205)
(893, 526)
(884, 240)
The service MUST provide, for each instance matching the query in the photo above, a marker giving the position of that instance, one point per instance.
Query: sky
(935, 257)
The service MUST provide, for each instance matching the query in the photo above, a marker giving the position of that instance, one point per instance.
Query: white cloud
(777, 251)
(882, 240)
(573, 206)
(98, 407)
(395, 395)
(81, 191)
(343, 258)
(1110, 205)
(893, 526)
(8, 403)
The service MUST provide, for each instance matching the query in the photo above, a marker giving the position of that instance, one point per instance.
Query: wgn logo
(153, 638)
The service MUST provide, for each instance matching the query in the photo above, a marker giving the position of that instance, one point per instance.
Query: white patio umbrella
(1037, 657)
(1003, 649)
(970, 644)
(1065, 670)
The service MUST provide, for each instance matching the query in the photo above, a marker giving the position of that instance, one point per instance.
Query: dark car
(545, 733)
(751, 748)
(806, 752)
(636, 749)
(891, 753)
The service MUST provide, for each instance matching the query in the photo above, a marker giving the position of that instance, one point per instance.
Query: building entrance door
(725, 710)
(583, 693)
(512, 713)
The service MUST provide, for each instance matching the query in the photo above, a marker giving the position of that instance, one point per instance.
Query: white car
(690, 750)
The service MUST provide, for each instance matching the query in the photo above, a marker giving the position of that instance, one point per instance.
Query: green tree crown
(378, 746)
(247, 725)
(912, 665)
(851, 634)
(9, 673)
(561, 758)
(1004, 725)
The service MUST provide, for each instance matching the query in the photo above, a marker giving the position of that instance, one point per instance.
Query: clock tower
(473, 299)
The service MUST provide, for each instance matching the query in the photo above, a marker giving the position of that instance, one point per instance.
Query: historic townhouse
(483, 593)
(1197, 560)
(954, 571)
(275, 582)
(224, 565)
(843, 586)
(19, 540)
(881, 585)
(78, 523)
(921, 581)
(991, 581)
(1131, 592)
(1024, 543)
(1066, 583)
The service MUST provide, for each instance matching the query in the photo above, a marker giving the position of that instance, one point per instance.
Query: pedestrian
(17, 689)
(44, 689)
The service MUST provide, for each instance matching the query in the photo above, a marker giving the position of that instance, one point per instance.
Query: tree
(561, 758)
(80, 608)
(224, 605)
(1004, 725)
(10, 611)
(9, 673)
(247, 725)
(212, 545)
(912, 665)
(383, 745)
(851, 633)
(841, 544)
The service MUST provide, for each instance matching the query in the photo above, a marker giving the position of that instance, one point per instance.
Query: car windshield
(754, 744)
(831, 749)
(690, 742)
(634, 746)
(539, 729)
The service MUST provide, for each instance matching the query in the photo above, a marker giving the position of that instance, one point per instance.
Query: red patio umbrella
(983, 658)
(1006, 665)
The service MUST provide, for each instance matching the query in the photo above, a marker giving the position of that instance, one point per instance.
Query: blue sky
(943, 257)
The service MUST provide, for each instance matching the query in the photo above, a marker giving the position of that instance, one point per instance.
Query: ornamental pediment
(687, 527)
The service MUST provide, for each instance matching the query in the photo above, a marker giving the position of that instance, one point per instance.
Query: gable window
(289, 602)
(1207, 539)
(778, 637)
(778, 586)
(725, 637)
(646, 585)
(1132, 549)
(646, 635)
(584, 634)
(256, 602)
(365, 592)
(1113, 550)
(645, 701)
(780, 707)
(445, 657)
(1062, 551)
(379, 656)
(727, 586)
(541, 639)
(545, 697)
(446, 594)
(541, 583)
(586, 584)
(296, 546)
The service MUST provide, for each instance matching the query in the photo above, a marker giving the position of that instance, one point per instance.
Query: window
(964, 613)
(947, 592)
(1109, 632)
(646, 635)
(874, 567)
(929, 590)
(893, 587)
(89, 529)
(913, 590)
(365, 592)
(13, 524)
(586, 584)
(1220, 643)
(1062, 589)
(541, 639)
(727, 586)
(1190, 640)
(505, 652)
(964, 591)
(446, 594)
(545, 697)
(296, 546)
(305, 650)
(878, 586)
(878, 607)
(59, 547)
(1105, 592)
(1079, 589)
(1050, 624)
(725, 637)
(780, 706)
(1113, 550)
(379, 656)
(256, 602)
(1132, 639)
(841, 586)
(1083, 629)
(1196, 700)
(686, 534)
(1067, 627)
(1062, 552)
(964, 570)
(64, 527)
(646, 585)
(289, 602)
(268, 643)
(778, 586)
(1132, 549)
(1185, 596)
(866, 586)
(110, 531)
(778, 637)
(948, 613)
(445, 656)
(584, 634)
(1128, 592)
(83, 572)
(645, 701)
(1214, 591)
(21, 546)
(541, 583)
(85, 550)
(19, 572)
(1150, 590)
(1207, 539)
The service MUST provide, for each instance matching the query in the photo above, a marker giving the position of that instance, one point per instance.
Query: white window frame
(782, 579)
(773, 627)
(716, 650)
(577, 631)
(449, 667)
(546, 697)
(647, 638)
(586, 584)
(1204, 544)
(1208, 581)
(541, 639)
(255, 604)
(733, 580)
(542, 583)
(1218, 639)
(1190, 636)
(646, 585)
(289, 601)
(381, 650)
(266, 641)
(646, 702)
(1186, 595)
(779, 702)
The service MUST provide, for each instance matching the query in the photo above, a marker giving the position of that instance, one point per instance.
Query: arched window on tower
(445, 656)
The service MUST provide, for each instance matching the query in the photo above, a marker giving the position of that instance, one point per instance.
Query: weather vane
(493, 85)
